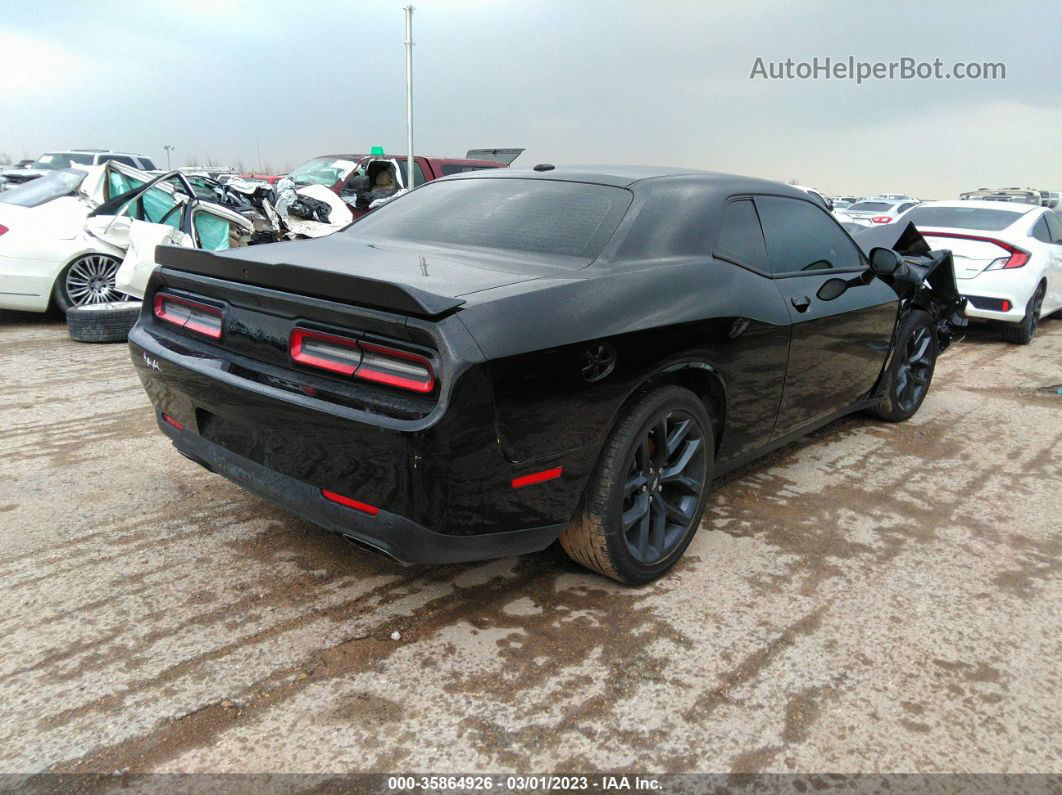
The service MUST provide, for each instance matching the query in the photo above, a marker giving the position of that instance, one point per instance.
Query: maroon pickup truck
(363, 180)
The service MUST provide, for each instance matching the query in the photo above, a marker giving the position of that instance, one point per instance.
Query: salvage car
(63, 236)
(1008, 259)
(499, 359)
(71, 158)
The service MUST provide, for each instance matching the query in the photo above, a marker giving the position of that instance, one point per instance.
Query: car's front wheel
(645, 500)
(1023, 332)
(910, 371)
(87, 280)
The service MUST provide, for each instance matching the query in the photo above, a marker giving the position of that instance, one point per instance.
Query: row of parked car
(80, 227)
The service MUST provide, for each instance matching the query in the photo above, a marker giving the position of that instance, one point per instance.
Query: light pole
(409, 95)
(169, 148)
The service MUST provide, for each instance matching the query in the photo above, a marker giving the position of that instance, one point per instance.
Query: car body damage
(925, 279)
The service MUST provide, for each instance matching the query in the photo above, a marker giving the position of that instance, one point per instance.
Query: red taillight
(187, 314)
(537, 477)
(1017, 258)
(1005, 305)
(172, 422)
(367, 360)
(395, 368)
(881, 219)
(3, 229)
(327, 351)
(357, 505)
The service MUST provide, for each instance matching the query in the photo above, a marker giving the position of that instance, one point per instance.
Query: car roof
(625, 176)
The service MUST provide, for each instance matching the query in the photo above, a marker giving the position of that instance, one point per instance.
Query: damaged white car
(83, 240)
(64, 236)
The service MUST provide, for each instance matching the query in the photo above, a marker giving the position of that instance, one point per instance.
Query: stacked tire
(107, 322)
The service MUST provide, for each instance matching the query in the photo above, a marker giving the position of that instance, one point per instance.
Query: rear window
(536, 216)
(870, 207)
(963, 218)
(43, 189)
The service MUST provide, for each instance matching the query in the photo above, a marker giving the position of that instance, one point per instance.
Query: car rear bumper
(387, 533)
(442, 489)
(985, 292)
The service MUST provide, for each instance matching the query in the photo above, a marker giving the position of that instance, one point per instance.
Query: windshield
(870, 207)
(54, 160)
(325, 171)
(964, 218)
(43, 189)
(536, 216)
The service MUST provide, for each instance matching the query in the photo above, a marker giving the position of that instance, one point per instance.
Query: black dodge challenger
(500, 359)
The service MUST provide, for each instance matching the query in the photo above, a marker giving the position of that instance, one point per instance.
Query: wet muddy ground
(876, 598)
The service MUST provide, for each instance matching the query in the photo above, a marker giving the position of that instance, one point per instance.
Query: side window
(118, 183)
(740, 236)
(1054, 225)
(147, 165)
(904, 208)
(801, 237)
(1040, 230)
(418, 175)
(126, 161)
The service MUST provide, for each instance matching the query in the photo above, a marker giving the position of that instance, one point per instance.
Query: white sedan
(1008, 259)
(64, 236)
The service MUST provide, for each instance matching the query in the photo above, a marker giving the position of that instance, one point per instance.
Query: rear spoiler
(303, 280)
(506, 156)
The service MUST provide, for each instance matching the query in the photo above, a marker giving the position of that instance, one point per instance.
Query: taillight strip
(1018, 256)
(369, 361)
(299, 352)
(198, 317)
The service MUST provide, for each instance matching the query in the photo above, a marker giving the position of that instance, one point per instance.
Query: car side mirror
(884, 261)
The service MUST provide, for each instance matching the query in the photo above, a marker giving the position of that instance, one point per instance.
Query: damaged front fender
(925, 280)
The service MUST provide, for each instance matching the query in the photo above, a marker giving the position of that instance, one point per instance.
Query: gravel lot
(876, 598)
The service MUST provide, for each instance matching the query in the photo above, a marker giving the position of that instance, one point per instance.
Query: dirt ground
(877, 598)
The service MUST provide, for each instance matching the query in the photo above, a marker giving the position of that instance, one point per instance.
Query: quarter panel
(705, 311)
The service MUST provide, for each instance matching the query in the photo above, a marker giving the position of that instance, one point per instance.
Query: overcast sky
(663, 83)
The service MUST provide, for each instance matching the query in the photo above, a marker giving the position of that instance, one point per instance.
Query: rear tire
(89, 279)
(910, 370)
(645, 499)
(1022, 333)
(110, 322)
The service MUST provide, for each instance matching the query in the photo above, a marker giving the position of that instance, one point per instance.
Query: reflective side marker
(537, 477)
(172, 422)
(357, 505)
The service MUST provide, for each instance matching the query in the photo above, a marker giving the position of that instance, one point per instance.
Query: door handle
(800, 304)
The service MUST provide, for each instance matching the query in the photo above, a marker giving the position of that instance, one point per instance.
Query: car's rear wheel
(87, 280)
(1023, 332)
(645, 499)
(910, 371)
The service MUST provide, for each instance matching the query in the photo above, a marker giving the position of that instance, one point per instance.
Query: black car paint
(509, 337)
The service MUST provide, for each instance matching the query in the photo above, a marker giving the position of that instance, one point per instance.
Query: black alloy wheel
(644, 501)
(665, 478)
(916, 368)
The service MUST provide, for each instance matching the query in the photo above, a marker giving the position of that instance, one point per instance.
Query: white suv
(71, 158)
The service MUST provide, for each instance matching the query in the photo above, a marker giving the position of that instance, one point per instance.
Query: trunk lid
(971, 256)
(422, 281)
